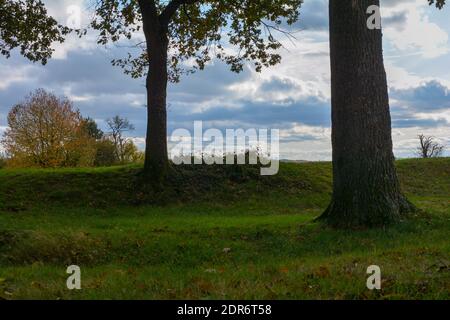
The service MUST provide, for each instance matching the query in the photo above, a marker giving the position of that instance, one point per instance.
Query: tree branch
(172, 8)
(149, 14)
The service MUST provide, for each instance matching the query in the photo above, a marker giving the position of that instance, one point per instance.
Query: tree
(131, 153)
(105, 153)
(92, 129)
(25, 24)
(428, 147)
(118, 127)
(46, 131)
(3, 160)
(180, 31)
(366, 191)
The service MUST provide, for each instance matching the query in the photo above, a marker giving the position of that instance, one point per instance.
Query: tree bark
(156, 155)
(366, 190)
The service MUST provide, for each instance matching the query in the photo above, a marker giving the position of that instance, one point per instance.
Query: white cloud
(436, 116)
(406, 142)
(400, 78)
(304, 69)
(14, 74)
(416, 34)
(62, 11)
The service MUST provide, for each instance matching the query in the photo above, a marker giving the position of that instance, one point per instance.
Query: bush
(106, 153)
(2, 162)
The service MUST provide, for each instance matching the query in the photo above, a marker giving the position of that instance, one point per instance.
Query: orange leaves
(46, 131)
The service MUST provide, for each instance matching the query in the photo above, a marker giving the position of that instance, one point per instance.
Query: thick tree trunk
(156, 155)
(366, 190)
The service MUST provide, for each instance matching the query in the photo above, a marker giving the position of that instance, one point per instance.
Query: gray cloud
(102, 91)
(397, 21)
(314, 15)
(429, 96)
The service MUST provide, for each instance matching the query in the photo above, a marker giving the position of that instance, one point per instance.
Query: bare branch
(428, 147)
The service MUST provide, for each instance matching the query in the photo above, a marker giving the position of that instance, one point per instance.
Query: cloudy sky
(293, 96)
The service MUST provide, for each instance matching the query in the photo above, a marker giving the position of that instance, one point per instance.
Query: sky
(293, 96)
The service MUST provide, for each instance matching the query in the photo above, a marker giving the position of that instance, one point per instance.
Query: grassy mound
(214, 232)
(115, 186)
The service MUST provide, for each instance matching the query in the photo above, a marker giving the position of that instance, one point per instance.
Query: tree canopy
(47, 131)
(439, 3)
(197, 31)
(25, 24)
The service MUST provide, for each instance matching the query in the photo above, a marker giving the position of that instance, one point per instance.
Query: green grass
(215, 233)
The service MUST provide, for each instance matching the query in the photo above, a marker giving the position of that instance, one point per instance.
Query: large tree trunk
(366, 190)
(156, 156)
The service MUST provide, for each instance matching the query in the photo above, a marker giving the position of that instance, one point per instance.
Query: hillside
(214, 232)
(115, 186)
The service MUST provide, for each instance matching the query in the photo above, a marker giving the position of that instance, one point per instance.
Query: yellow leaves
(46, 131)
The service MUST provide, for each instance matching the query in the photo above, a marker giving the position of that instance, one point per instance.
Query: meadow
(215, 232)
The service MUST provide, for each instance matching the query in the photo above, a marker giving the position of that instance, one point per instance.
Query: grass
(215, 233)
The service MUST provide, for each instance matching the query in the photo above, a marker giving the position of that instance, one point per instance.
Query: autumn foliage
(47, 131)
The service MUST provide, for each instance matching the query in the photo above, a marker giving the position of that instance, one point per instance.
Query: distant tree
(428, 147)
(47, 131)
(105, 153)
(118, 127)
(2, 160)
(25, 24)
(132, 154)
(92, 128)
